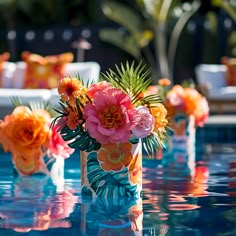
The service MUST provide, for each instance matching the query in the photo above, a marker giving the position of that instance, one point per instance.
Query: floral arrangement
(27, 134)
(183, 98)
(114, 110)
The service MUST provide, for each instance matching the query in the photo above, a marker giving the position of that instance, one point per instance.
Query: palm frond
(33, 105)
(16, 101)
(188, 84)
(152, 100)
(153, 142)
(42, 105)
(132, 80)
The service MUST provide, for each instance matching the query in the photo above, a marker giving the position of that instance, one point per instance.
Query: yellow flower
(159, 113)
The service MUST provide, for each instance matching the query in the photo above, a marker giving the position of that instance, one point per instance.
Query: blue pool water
(172, 203)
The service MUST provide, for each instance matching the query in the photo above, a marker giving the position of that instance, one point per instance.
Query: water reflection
(169, 203)
(34, 203)
(198, 203)
(112, 217)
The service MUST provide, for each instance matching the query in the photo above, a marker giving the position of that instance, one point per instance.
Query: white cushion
(19, 75)
(8, 74)
(26, 95)
(14, 80)
(88, 71)
(224, 94)
(211, 75)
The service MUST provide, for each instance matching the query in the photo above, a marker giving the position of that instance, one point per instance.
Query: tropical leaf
(132, 80)
(152, 100)
(108, 184)
(153, 142)
(79, 139)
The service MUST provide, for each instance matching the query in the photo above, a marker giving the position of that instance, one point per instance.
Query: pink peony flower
(145, 125)
(111, 117)
(93, 88)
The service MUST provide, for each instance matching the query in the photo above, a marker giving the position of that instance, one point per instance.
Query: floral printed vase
(113, 171)
(53, 167)
(181, 145)
(112, 217)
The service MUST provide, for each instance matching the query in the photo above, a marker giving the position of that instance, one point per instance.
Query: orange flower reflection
(136, 217)
(115, 156)
(27, 165)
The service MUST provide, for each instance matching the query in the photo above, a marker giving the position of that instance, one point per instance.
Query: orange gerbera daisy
(70, 89)
(115, 156)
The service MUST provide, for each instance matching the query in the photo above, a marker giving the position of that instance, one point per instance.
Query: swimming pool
(172, 204)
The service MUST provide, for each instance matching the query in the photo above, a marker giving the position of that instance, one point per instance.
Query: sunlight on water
(173, 203)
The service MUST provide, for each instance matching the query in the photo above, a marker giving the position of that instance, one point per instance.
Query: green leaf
(108, 184)
(132, 80)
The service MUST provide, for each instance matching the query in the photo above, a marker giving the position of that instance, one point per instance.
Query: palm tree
(151, 29)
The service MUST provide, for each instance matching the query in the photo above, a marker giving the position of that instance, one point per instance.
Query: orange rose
(25, 131)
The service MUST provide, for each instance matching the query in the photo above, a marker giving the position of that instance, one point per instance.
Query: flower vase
(52, 167)
(113, 171)
(180, 150)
